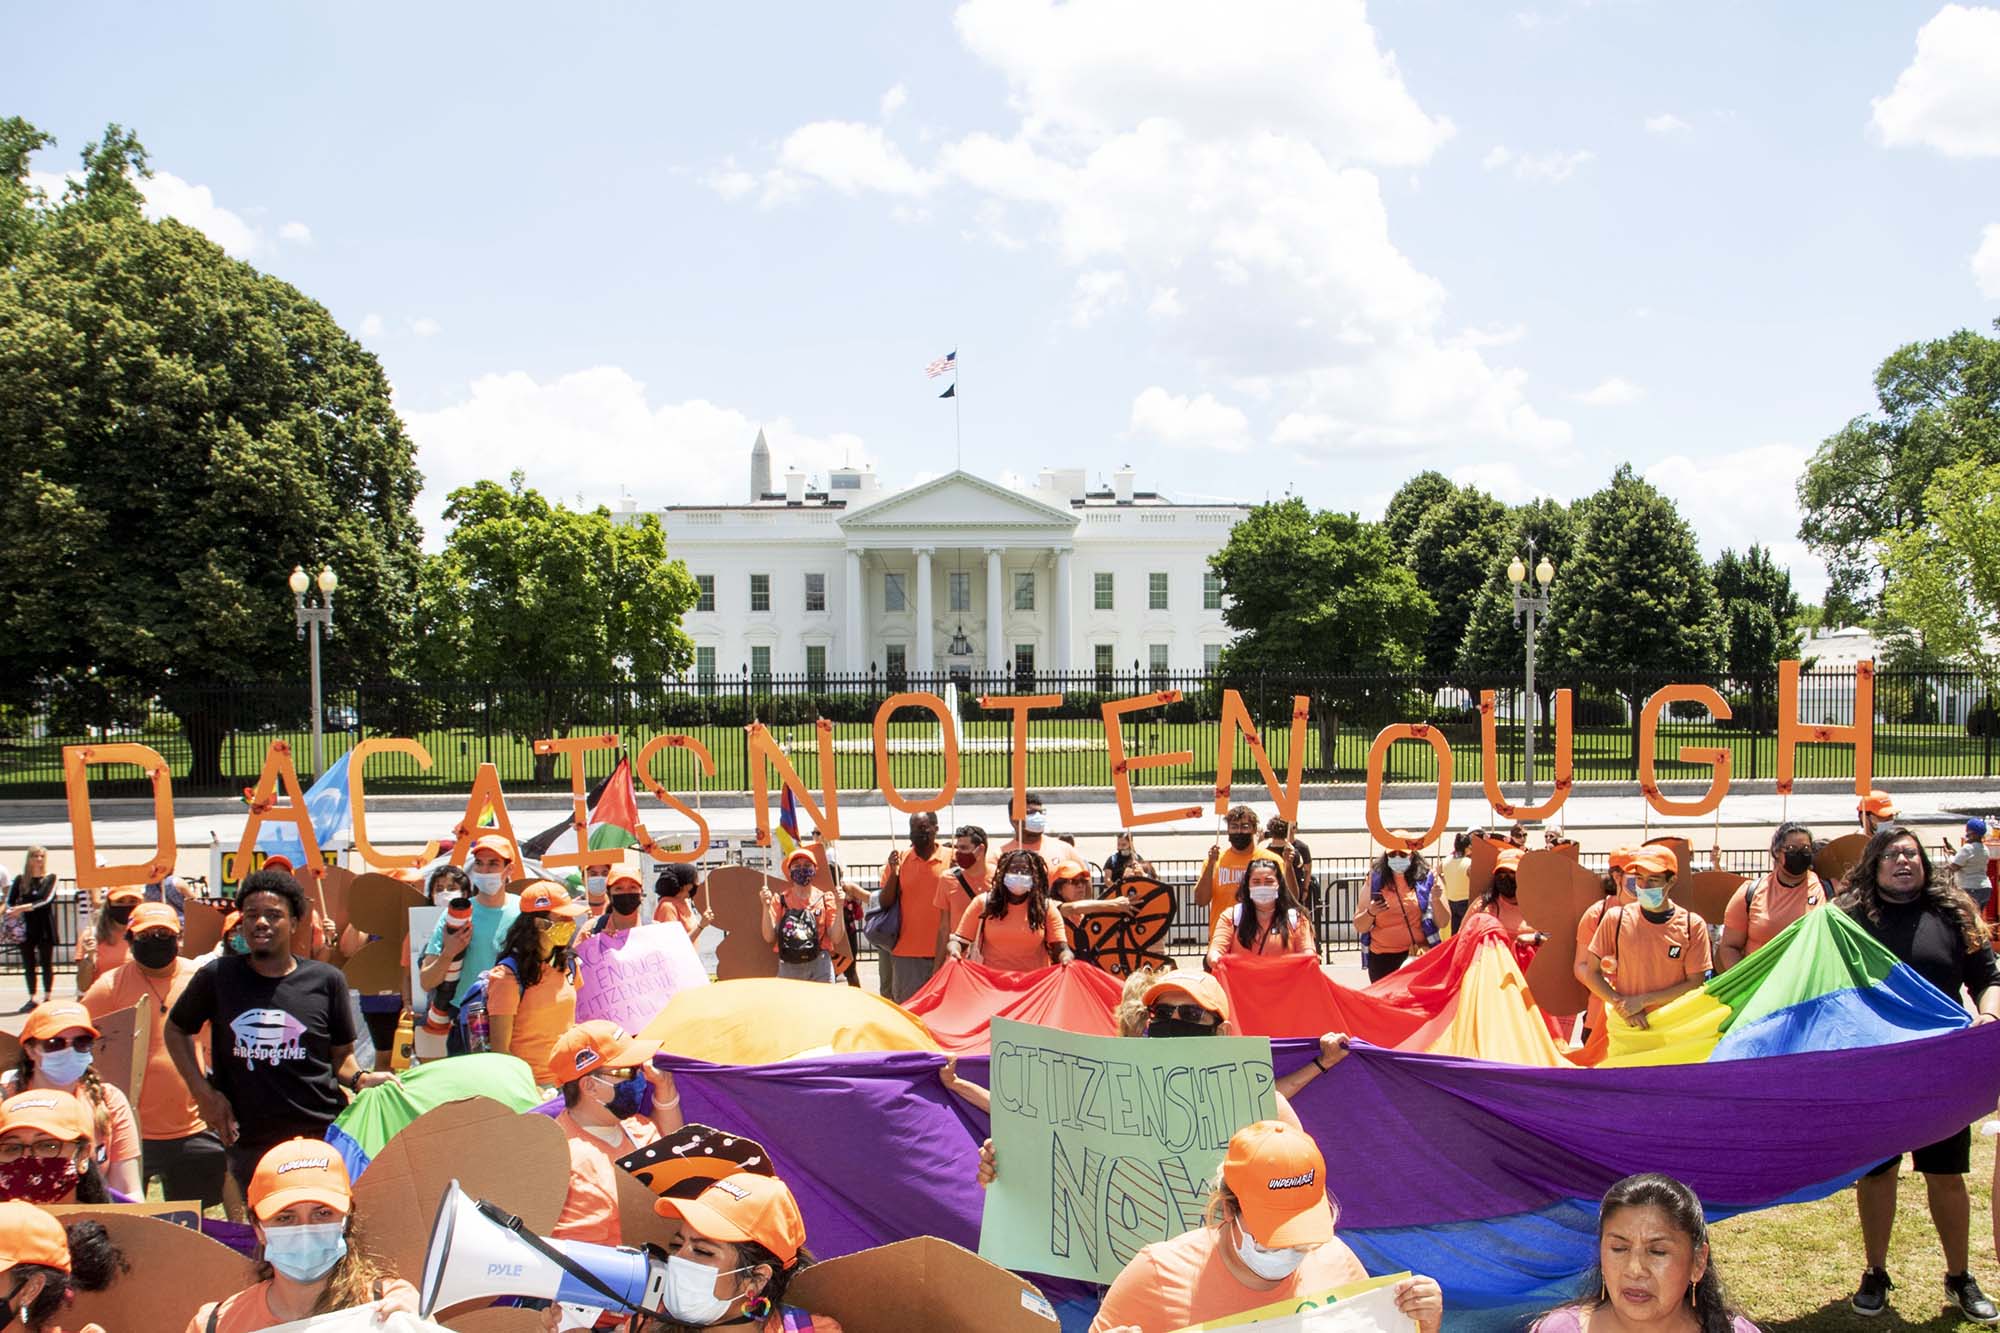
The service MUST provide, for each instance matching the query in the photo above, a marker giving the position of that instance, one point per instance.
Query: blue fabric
(327, 803)
(1901, 1007)
(351, 1152)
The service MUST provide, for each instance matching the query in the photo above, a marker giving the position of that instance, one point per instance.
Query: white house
(955, 574)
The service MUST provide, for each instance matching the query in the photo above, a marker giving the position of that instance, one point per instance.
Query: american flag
(944, 365)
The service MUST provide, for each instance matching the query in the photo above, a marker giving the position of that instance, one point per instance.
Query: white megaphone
(479, 1251)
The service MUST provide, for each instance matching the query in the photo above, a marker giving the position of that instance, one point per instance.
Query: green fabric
(1822, 952)
(378, 1114)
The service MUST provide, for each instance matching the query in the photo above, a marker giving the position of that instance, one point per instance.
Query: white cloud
(596, 431)
(1499, 155)
(167, 195)
(298, 233)
(1986, 262)
(371, 326)
(1505, 482)
(1617, 391)
(851, 157)
(729, 180)
(894, 100)
(1495, 335)
(1189, 423)
(1097, 290)
(1745, 496)
(1552, 167)
(425, 327)
(1948, 96)
(1166, 303)
(1666, 123)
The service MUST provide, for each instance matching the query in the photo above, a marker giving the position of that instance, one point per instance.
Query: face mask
(155, 950)
(1399, 864)
(121, 913)
(486, 884)
(1241, 841)
(966, 859)
(1263, 894)
(1035, 822)
(1179, 1027)
(558, 935)
(1652, 897)
(800, 875)
(238, 945)
(625, 904)
(306, 1252)
(38, 1179)
(594, 884)
(1271, 1265)
(1017, 884)
(64, 1067)
(690, 1296)
(632, 1097)
(1798, 860)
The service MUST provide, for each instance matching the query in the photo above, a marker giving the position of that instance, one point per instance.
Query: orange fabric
(1492, 1017)
(762, 1020)
(1775, 907)
(959, 1003)
(1271, 942)
(920, 878)
(1007, 942)
(167, 1109)
(1229, 868)
(543, 1013)
(249, 1310)
(590, 1209)
(1290, 996)
(1174, 1283)
(1638, 956)
(952, 900)
(1398, 925)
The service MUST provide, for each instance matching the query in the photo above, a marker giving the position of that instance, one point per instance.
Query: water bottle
(478, 1030)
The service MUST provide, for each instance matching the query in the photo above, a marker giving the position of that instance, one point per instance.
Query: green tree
(1492, 641)
(1319, 591)
(1452, 552)
(1943, 577)
(1938, 403)
(552, 597)
(1636, 595)
(1763, 612)
(18, 200)
(178, 431)
(1411, 502)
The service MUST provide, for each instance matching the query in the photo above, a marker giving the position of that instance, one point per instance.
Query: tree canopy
(1452, 553)
(1943, 576)
(1413, 500)
(1763, 612)
(1492, 641)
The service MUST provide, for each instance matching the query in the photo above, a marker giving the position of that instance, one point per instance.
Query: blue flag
(332, 817)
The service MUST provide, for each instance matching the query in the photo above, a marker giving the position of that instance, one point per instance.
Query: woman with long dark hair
(1765, 906)
(1895, 894)
(1399, 915)
(44, 1264)
(1500, 902)
(530, 991)
(1654, 1268)
(1268, 918)
(31, 921)
(1013, 927)
(46, 1155)
(58, 1052)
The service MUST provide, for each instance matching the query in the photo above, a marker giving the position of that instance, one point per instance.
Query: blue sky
(1244, 247)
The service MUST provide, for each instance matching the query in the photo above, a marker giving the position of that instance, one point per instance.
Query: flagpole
(957, 435)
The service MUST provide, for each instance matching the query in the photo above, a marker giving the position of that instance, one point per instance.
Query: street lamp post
(1531, 603)
(314, 617)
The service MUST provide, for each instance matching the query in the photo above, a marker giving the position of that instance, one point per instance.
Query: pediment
(958, 500)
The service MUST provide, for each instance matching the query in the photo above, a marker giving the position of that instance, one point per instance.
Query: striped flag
(944, 365)
(788, 824)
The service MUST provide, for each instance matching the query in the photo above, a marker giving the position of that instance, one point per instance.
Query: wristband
(1322, 1067)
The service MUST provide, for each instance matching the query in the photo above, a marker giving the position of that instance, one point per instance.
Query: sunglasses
(1185, 1013)
(82, 1044)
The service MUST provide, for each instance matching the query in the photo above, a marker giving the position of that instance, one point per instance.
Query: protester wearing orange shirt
(912, 882)
(1269, 1238)
(970, 874)
(177, 1147)
(1266, 919)
(740, 1245)
(803, 925)
(1763, 907)
(312, 1258)
(1059, 858)
(57, 1054)
(1649, 952)
(1501, 904)
(1226, 866)
(45, 1264)
(1875, 809)
(531, 992)
(614, 1103)
(105, 949)
(1016, 929)
(625, 898)
(676, 886)
(1399, 915)
(1616, 895)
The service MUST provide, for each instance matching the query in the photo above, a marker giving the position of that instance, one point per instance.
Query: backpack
(798, 935)
(469, 1029)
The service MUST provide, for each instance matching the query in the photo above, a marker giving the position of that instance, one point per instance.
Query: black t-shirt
(1931, 943)
(273, 1041)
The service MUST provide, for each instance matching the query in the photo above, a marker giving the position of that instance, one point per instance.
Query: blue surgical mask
(1652, 897)
(64, 1067)
(1035, 822)
(305, 1253)
(631, 1097)
(237, 944)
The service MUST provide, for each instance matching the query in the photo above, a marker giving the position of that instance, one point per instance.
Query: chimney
(1121, 484)
(795, 487)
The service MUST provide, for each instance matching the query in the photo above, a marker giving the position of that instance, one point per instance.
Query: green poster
(1105, 1144)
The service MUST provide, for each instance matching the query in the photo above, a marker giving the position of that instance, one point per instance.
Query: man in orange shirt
(969, 875)
(1876, 809)
(1615, 897)
(1225, 869)
(1057, 855)
(1649, 952)
(911, 880)
(612, 1106)
(176, 1146)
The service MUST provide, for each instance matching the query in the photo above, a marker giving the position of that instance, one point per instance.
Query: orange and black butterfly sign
(687, 1161)
(1121, 944)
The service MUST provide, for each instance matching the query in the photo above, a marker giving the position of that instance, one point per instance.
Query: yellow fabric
(762, 1020)
(1493, 1017)
(1682, 1033)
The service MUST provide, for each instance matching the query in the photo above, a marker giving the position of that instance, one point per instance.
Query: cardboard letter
(357, 802)
(1020, 705)
(1378, 754)
(264, 809)
(1236, 718)
(1718, 756)
(1489, 761)
(76, 784)
(763, 747)
(886, 781)
(485, 791)
(643, 766)
(576, 747)
(1860, 733)
(1123, 768)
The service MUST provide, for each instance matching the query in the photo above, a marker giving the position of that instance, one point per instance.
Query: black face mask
(155, 951)
(1179, 1027)
(1241, 841)
(121, 912)
(1798, 860)
(625, 904)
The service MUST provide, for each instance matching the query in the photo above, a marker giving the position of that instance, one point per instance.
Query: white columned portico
(1062, 662)
(996, 632)
(926, 633)
(857, 649)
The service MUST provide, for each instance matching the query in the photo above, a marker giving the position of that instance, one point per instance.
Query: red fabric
(1291, 996)
(961, 1000)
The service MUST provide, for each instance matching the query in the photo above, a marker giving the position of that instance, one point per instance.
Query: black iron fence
(1925, 724)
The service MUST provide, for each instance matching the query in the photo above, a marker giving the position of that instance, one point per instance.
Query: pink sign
(629, 976)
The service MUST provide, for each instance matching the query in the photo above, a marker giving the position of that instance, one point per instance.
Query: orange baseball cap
(744, 1207)
(543, 896)
(598, 1044)
(283, 863)
(798, 852)
(624, 877)
(51, 1110)
(228, 921)
(153, 916)
(1279, 1180)
(1509, 859)
(1877, 803)
(127, 893)
(30, 1236)
(1621, 858)
(1205, 989)
(300, 1171)
(1653, 859)
(497, 845)
(53, 1016)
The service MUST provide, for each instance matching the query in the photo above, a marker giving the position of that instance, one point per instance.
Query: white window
(892, 593)
(1156, 658)
(1024, 660)
(1211, 591)
(815, 592)
(896, 657)
(1156, 592)
(760, 662)
(958, 584)
(816, 661)
(705, 583)
(704, 663)
(760, 592)
(1102, 588)
(1211, 656)
(1024, 590)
